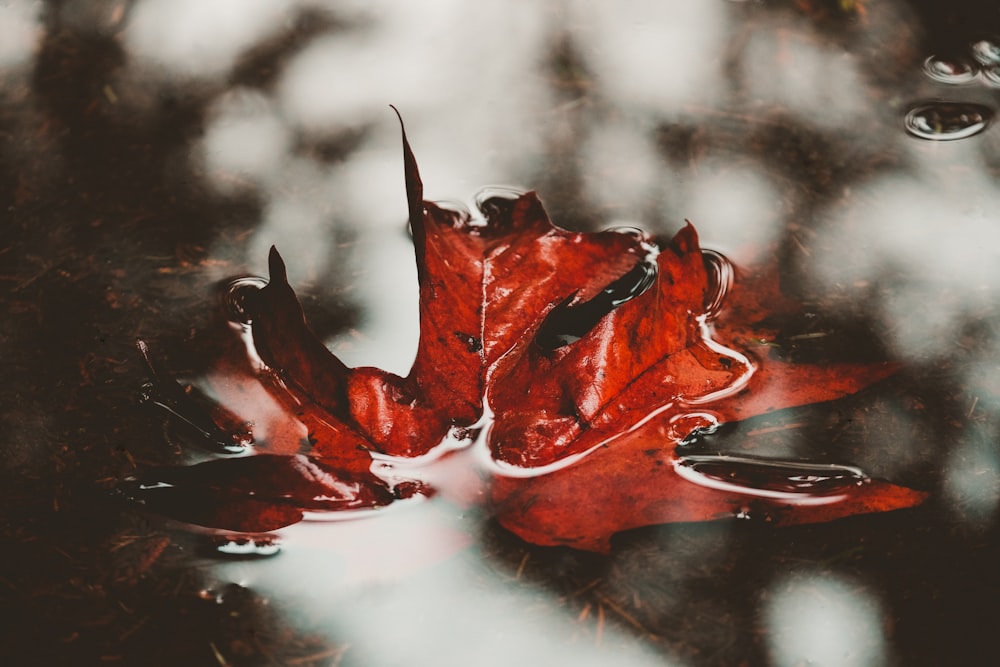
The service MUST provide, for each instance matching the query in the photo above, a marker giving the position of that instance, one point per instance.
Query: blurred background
(150, 150)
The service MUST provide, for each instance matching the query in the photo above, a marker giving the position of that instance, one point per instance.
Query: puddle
(154, 151)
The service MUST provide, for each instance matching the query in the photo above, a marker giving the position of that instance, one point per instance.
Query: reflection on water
(200, 39)
(986, 51)
(654, 57)
(824, 86)
(246, 142)
(822, 620)
(943, 121)
(406, 589)
(932, 227)
(19, 32)
(155, 147)
(950, 70)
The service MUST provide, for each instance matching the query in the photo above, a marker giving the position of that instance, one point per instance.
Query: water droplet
(770, 478)
(234, 297)
(246, 546)
(720, 279)
(986, 50)
(946, 121)
(568, 322)
(950, 70)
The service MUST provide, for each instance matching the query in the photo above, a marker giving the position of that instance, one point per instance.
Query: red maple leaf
(581, 361)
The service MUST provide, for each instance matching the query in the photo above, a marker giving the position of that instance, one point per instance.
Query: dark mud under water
(114, 231)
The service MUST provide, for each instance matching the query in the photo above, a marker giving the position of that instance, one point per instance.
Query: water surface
(150, 151)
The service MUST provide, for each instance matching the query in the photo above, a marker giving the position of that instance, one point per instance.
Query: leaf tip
(398, 115)
(685, 240)
(414, 186)
(276, 266)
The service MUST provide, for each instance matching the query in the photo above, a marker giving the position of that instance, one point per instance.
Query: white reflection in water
(345, 79)
(386, 282)
(793, 69)
(197, 38)
(732, 205)
(933, 232)
(297, 218)
(246, 142)
(19, 32)
(406, 588)
(471, 99)
(414, 55)
(620, 166)
(382, 270)
(654, 55)
(824, 620)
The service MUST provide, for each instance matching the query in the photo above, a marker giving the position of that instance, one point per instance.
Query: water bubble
(769, 478)
(947, 121)
(246, 546)
(950, 70)
(234, 297)
(986, 50)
